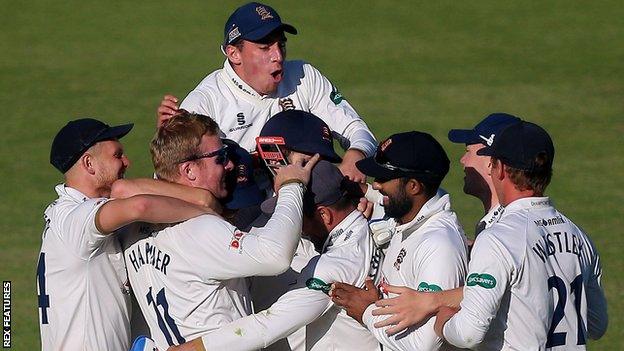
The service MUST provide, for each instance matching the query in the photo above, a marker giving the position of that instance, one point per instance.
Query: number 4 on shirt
(44, 299)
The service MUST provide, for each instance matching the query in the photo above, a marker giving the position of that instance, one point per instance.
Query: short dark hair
(536, 179)
(347, 201)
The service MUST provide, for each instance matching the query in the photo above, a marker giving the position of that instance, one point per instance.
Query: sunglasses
(221, 155)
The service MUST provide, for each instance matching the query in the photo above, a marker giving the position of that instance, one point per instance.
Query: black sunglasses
(221, 155)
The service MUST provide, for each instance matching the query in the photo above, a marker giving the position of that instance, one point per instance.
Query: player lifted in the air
(256, 82)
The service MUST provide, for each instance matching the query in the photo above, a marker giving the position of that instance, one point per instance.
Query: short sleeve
(76, 227)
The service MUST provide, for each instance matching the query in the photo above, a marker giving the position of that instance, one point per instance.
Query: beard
(398, 205)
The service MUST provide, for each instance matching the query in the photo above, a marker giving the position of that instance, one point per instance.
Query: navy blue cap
(485, 131)
(253, 21)
(302, 132)
(327, 185)
(519, 144)
(410, 154)
(242, 188)
(79, 135)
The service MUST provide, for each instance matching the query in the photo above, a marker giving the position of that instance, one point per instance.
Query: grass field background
(427, 66)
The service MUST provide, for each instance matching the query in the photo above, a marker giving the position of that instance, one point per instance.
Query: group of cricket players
(253, 233)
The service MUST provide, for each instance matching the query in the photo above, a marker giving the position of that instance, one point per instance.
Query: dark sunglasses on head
(221, 155)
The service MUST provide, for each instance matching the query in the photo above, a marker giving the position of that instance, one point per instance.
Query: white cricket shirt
(426, 254)
(82, 289)
(534, 281)
(188, 277)
(241, 112)
(346, 258)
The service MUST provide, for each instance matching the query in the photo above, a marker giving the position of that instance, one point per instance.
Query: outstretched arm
(115, 214)
(413, 308)
(124, 188)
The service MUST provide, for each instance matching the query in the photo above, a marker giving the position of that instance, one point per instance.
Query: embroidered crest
(326, 134)
(264, 13)
(233, 34)
(400, 258)
(241, 174)
(286, 104)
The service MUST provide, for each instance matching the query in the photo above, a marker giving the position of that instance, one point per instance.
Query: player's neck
(513, 194)
(417, 203)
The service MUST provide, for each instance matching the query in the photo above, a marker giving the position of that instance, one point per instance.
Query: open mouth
(277, 75)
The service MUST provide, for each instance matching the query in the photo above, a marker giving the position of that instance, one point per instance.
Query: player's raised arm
(277, 241)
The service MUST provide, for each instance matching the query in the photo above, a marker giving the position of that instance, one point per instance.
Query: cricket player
(187, 277)
(534, 276)
(82, 287)
(477, 180)
(427, 251)
(257, 81)
(333, 224)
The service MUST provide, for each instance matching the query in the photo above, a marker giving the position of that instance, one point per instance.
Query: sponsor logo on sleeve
(483, 280)
(426, 287)
(336, 96)
(318, 284)
(235, 243)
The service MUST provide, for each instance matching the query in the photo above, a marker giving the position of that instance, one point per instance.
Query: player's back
(178, 279)
(508, 278)
(555, 278)
(575, 282)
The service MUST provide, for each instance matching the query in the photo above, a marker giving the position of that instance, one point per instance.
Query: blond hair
(178, 139)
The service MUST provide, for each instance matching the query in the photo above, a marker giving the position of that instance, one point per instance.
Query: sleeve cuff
(367, 317)
(367, 147)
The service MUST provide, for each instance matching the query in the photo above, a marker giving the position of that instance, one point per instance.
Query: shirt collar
(344, 228)
(64, 191)
(493, 215)
(239, 84)
(527, 203)
(438, 203)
